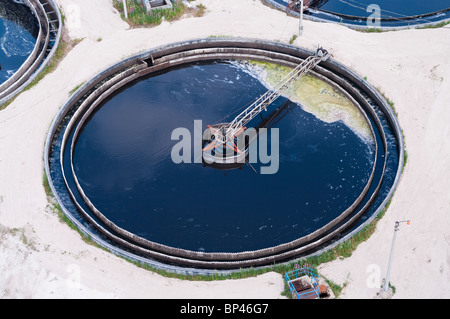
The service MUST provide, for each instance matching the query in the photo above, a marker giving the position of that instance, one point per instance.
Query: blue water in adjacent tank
(394, 12)
(18, 33)
(123, 161)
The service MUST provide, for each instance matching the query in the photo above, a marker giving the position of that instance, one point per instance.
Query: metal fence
(301, 272)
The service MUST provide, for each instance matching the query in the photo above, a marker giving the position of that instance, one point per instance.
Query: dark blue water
(18, 33)
(393, 10)
(123, 163)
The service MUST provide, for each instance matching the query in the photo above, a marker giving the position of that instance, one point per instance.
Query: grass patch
(20, 233)
(379, 30)
(53, 204)
(405, 156)
(292, 39)
(392, 287)
(201, 10)
(371, 30)
(435, 26)
(219, 36)
(54, 207)
(46, 184)
(6, 104)
(392, 105)
(343, 250)
(139, 17)
(337, 289)
(56, 59)
(75, 88)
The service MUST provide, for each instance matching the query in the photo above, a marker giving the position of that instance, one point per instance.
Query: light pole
(125, 9)
(300, 27)
(396, 228)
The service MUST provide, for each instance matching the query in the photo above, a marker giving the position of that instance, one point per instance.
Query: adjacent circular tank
(29, 35)
(369, 14)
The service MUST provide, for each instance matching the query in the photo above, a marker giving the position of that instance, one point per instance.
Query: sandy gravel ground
(42, 258)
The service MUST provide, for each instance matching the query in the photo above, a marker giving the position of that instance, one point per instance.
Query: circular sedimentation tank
(29, 35)
(109, 159)
(360, 14)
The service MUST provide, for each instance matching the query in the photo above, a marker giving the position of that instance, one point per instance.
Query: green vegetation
(379, 30)
(292, 39)
(371, 30)
(392, 288)
(342, 250)
(5, 105)
(405, 156)
(138, 15)
(201, 10)
(55, 208)
(19, 232)
(392, 105)
(435, 26)
(390, 102)
(53, 205)
(219, 36)
(57, 57)
(335, 288)
(317, 97)
(75, 88)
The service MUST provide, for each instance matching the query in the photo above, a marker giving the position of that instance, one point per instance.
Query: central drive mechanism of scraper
(223, 149)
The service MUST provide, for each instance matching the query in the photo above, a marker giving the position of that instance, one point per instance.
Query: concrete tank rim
(46, 61)
(55, 124)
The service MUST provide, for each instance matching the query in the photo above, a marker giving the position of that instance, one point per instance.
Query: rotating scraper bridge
(50, 28)
(90, 95)
(226, 135)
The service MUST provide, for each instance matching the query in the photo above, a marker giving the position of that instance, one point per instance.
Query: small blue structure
(303, 283)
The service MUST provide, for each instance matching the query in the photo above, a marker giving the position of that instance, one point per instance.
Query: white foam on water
(15, 41)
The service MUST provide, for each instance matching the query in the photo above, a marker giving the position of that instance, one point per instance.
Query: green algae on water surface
(316, 97)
